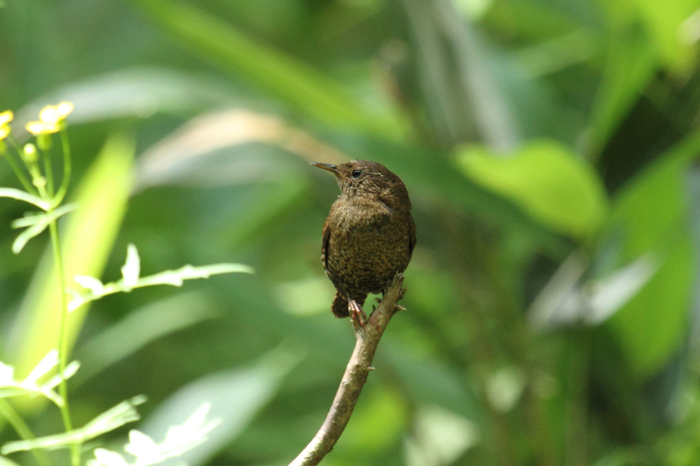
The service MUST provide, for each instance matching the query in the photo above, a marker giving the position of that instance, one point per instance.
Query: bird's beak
(328, 167)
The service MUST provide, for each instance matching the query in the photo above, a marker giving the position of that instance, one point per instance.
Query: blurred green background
(550, 151)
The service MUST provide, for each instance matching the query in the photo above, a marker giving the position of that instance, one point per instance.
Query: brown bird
(369, 234)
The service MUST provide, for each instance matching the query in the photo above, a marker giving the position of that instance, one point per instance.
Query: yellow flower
(50, 119)
(5, 118)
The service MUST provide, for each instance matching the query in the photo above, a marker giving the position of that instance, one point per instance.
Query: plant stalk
(62, 338)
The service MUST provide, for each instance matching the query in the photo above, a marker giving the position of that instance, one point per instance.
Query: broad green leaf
(272, 70)
(650, 218)
(546, 181)
(86, 243)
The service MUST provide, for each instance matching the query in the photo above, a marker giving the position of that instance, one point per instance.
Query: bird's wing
(326, 235)
(411, 234)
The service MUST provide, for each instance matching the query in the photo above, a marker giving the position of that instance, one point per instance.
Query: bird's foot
(356, 312)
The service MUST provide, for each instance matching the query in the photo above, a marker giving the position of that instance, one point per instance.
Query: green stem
(16, 168)
(23, 430)
(62, 338)
(48, 170)
(33, 168)
(66, 168)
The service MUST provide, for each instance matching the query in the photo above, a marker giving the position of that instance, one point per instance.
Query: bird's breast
(367, 246)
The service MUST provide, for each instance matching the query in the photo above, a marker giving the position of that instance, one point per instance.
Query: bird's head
(363, 180)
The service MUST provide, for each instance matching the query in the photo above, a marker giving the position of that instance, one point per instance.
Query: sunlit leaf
(37, 223)
(547, 181)
(132, 268)
(13, 193)
(111, 419)
(178, 440)
(11, 386)
(26, 235)
(131, 279)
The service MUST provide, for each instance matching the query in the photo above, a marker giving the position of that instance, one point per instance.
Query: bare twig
(355, 376)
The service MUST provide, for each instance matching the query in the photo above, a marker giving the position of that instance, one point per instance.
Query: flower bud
(29, 153)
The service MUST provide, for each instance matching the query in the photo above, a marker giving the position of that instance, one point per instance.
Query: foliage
(550, 151)
(40, 192)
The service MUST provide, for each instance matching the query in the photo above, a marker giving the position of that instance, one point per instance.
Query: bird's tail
(340, 305)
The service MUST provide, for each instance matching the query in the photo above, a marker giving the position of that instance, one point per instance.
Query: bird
(369, 235)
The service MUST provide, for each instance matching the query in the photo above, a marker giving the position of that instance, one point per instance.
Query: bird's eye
(356, 173)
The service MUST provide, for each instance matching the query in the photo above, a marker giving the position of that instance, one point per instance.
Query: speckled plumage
(369, 234)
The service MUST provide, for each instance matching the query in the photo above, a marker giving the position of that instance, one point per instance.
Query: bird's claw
(356, 312)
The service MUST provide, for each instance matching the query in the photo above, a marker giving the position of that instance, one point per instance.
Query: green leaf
(37, 223)
(650, 216)
(10, 386)
(132, 267)
(111, 419)
(272, 70)
(130, 278)
(666, 24)
(546, 181)
(178, 440)
(630, 65)
(20, 195)
(24, 237)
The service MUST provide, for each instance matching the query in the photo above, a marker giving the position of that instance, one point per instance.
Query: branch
(354, 379)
